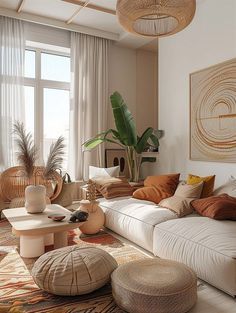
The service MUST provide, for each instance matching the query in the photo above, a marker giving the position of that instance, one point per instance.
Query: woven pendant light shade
(155, 18)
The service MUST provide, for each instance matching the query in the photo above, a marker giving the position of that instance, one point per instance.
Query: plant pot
(96, 218)
(35, 199)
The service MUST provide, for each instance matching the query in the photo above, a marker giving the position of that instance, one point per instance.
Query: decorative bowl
(56, 217)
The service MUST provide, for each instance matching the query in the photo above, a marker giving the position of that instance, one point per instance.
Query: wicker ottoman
(154, 285)
(73, 271)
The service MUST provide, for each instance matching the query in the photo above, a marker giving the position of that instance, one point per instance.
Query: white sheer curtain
(12, 50)
(89, 99)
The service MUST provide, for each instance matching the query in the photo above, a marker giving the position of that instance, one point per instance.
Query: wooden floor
(210, 299)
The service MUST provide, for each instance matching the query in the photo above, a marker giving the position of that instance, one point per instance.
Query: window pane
(55, 67)
(29, 109)
(56, 119)
(29, 63)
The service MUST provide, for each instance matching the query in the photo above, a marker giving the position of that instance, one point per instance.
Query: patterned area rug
(19, 294)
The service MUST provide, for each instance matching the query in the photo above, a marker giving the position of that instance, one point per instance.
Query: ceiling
(93, 17)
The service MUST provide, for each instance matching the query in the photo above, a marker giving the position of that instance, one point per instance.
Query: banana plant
(125, 135)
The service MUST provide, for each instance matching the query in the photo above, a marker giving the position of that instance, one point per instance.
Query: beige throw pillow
(229, 187)
(180, 201)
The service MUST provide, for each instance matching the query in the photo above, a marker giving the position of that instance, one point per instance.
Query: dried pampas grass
(55, 157)
(27, 151)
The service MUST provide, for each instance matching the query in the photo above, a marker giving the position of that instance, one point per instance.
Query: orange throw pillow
(208, 186)
(157, 188)
(222, 207)
(148, 193)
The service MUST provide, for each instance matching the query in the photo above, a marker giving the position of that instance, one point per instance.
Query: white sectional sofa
(208, 246)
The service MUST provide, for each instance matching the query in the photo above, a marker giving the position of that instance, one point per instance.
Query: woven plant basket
(67, 193)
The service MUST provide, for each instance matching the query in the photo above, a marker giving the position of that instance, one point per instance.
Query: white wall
(208, 40)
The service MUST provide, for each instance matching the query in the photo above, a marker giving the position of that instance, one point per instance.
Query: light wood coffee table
(37, 230)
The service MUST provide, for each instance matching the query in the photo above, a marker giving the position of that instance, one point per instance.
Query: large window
(47, 84)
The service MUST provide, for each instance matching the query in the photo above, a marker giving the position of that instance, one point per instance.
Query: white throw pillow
(229, 187)
(104, 172)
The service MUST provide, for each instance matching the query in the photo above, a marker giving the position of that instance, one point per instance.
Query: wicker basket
(66, 195)
(13, 183)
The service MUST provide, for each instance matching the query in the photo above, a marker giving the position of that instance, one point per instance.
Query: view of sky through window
(46, 100)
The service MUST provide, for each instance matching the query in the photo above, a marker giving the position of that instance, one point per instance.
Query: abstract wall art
(213, 113)
(115, 157)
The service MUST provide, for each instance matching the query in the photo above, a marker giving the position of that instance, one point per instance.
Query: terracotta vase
(35, 199)
(96, 218)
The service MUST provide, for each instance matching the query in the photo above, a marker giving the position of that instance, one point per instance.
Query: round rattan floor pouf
(154, 286)
(73, 271)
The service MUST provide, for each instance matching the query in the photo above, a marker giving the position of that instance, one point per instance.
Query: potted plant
(125, 135)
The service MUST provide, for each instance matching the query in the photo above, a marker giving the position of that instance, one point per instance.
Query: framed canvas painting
(213, 113)
(115, 157)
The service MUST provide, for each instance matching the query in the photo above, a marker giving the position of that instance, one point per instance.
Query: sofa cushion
(208, 186)
(229, 187)
(222, 207)
(112, 187)
(100, 171)
(206, 245)
(148, 193)
(158, 187)
(134, 219)
(180, 201)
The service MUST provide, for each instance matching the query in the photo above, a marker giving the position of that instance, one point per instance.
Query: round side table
(96, 217)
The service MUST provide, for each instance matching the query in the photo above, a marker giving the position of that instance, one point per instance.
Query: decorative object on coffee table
(56, 217)
(36, 230)
(79, 216)
(35, 199)
(73, 271)
(154, 285)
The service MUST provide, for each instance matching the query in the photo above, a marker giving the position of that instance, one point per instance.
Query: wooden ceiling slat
(77, 12)
(92, 6)
(20, 7)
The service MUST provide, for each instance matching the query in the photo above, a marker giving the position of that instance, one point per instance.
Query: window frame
(39, 84)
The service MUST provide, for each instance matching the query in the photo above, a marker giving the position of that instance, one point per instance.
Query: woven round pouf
(71, 271)
(154, 285)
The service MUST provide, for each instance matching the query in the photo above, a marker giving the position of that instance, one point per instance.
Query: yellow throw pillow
(208, 186)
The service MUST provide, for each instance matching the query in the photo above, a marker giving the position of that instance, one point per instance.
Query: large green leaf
(124, 120)
(100, 138)
(155, 141)
(143, 140)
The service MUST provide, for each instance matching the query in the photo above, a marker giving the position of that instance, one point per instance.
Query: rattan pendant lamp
(155, 18)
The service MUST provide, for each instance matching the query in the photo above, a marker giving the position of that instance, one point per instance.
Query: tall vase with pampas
(35, 196)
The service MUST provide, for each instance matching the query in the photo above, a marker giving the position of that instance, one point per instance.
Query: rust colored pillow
(148, 193)
(222, 207)
(157, 188)
(208, 186)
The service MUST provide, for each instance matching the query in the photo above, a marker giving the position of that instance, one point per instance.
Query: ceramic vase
(35, 199)
(96, 218)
